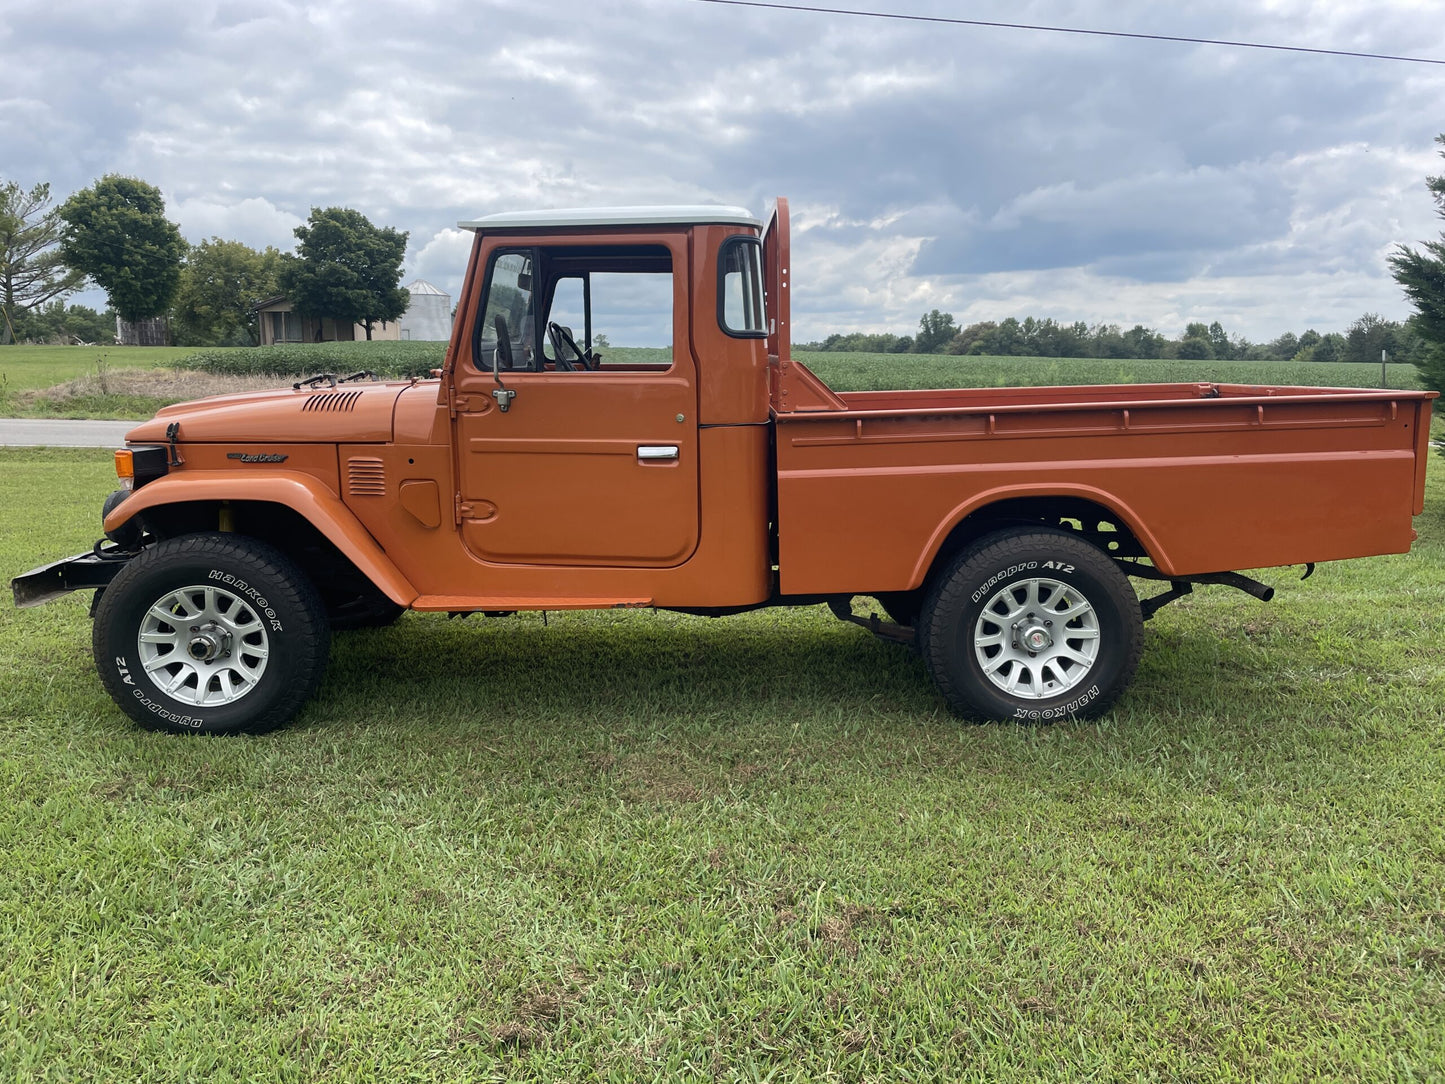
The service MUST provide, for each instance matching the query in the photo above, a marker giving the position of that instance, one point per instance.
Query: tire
(247, 652)
(1017, 590)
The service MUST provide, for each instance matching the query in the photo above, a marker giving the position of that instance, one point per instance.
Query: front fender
(302, 493)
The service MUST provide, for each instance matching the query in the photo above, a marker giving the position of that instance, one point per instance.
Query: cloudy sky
(986, 172)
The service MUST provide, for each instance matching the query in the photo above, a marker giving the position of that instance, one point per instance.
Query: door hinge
(463, 510)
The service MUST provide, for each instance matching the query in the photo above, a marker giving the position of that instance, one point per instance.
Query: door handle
(656, 452)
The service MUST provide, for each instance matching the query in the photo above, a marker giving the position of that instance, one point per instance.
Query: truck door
(576, 429)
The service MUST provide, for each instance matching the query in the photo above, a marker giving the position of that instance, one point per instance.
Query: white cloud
(256, 222)
(983, 171)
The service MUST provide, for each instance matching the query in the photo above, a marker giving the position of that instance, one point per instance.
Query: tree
(1195, 344)
(1330, 347)
(1219, 342)
(220, 283)
(117, 233)
(346, 269)
(1367, 336)
(31, 269)
(58, 322)
(1284, 347)
(1144, 342)
(935, 330)
(1422, 274)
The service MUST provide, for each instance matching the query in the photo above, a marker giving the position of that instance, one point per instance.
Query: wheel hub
(207, 642)
(1036, 639)
(1033, 636)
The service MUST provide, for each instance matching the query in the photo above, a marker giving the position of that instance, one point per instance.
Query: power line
(1069, 30)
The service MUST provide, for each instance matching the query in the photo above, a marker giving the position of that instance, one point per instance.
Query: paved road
(35, 432)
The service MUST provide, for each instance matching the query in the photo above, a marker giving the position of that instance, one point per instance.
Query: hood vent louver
(331, 402)
(365, 477)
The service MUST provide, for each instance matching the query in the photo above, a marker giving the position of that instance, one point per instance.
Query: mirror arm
(501, 393)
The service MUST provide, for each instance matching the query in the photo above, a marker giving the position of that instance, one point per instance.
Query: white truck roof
(694, 214)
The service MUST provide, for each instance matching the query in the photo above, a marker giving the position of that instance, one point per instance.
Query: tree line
(115, 234)
(938, 333)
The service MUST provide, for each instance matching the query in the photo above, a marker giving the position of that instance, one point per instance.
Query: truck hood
(348, 413)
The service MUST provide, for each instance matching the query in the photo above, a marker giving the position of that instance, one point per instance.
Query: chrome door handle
(652, 452)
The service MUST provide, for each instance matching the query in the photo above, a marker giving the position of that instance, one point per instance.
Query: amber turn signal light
(124, 464)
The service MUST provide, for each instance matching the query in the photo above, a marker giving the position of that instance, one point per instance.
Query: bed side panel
(1207, 486)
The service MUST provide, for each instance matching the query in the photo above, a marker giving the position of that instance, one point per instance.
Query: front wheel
(210, 634)
(1031, 625)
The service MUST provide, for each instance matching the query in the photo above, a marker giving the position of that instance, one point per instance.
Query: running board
(475, 603)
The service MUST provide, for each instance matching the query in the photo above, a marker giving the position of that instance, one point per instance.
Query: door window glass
(569, 311)
(632, 318)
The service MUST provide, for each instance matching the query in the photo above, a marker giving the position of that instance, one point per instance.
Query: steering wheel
(561, 337)
(504, 344)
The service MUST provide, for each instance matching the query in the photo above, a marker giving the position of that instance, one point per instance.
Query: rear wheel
(210, 634)
(1031, 625)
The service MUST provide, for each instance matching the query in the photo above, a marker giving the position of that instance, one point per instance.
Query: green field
(873, 372)
(626, 846)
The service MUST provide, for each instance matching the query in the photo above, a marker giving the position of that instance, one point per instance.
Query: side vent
(331, 402)
(365, 477)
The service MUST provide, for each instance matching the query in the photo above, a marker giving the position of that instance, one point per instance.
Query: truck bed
(1208, 477)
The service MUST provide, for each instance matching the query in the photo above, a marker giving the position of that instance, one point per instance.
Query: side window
(509, 313)
(632, 319)
(740, 288)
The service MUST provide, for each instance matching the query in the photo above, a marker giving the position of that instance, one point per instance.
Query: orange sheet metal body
(768, 483)
(1208, 479)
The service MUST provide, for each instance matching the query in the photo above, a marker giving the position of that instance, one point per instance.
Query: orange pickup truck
(542, 470)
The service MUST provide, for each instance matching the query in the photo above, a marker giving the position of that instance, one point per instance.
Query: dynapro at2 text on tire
(210, 634)
(1033, 625)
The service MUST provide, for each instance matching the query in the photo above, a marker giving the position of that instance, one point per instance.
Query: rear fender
(303, 494)
(981, 501)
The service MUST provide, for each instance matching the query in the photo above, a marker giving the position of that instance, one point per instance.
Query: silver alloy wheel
(1036, 638)
(203, 645)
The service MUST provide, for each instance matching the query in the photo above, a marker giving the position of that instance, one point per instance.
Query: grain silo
(428, 318)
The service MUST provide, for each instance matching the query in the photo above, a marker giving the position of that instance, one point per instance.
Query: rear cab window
(740, 304)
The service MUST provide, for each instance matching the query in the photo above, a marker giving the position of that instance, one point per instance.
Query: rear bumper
(78, 573)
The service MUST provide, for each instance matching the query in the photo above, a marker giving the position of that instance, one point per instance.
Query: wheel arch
(1090, 513)
(295, 513)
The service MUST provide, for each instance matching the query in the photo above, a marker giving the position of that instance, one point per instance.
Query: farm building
(429, 316)
(280, 323)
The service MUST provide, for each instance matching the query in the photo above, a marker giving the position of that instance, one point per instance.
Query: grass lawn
(27, 368)
(631, 846)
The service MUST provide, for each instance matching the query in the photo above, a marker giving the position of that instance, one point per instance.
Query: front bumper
(78, 573)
